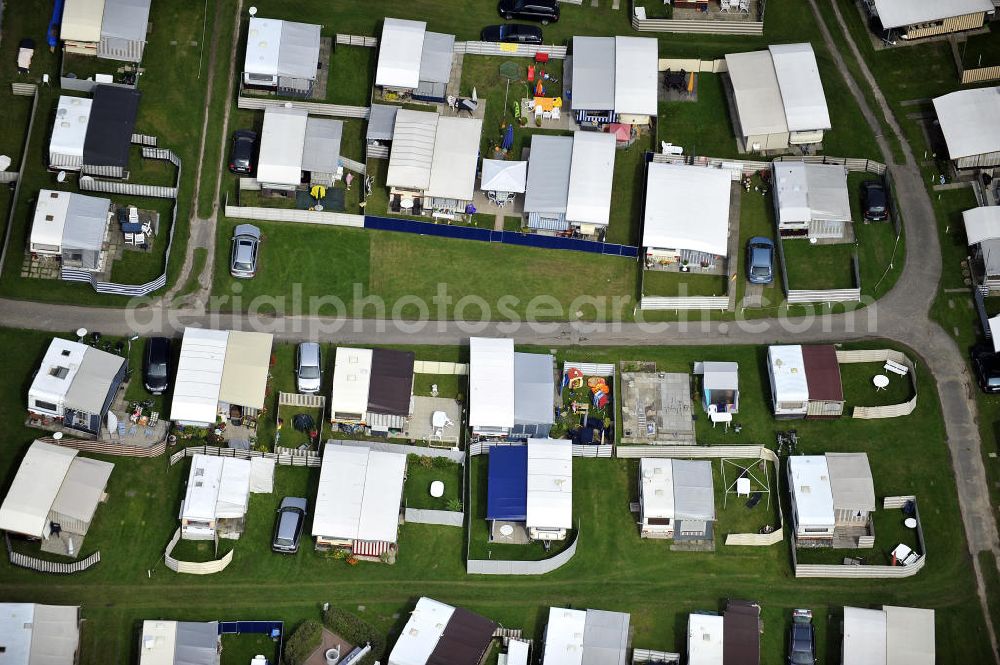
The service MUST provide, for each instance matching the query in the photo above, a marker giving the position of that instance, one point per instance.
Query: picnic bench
(896, 368)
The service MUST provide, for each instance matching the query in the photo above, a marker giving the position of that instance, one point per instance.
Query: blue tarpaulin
(507, 497)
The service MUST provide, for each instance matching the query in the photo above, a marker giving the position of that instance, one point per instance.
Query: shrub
(306, 639)
(443, 463)
(355, 630)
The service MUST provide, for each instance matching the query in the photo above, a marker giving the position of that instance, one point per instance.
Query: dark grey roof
(605, 638)
(126, 19)
(548, 173)
(381, 121)
(109, 131)
(534, 389)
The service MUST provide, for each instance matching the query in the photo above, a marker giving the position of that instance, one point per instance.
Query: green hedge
(356, 631)
(306, 639)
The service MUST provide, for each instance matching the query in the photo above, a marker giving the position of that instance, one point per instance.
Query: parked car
(986, 365)
(243, 151)
(543, 11)
(760, 260)
(308, 367)
(802, 639)
(514, 33)
(874, 201)
(156, 365)
(288, 525)
(243, 260)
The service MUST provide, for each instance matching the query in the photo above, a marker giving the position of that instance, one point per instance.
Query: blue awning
(507, 497)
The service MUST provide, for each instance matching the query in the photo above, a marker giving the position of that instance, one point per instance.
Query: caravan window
(45, 406)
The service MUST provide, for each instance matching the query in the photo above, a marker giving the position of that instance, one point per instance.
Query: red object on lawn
(541, 57)
(531, 73)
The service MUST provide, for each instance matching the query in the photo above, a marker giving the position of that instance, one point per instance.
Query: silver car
(243, 260)
(308, 367)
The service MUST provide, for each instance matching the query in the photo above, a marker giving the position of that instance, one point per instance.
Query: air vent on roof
(53, 195)
(59, 372)
(199, 472)
(82, 118)
(198, 483)
(794, 370)
(262, 44)
(49, 218)
(707, 637)
(65, 124)
(658, 492)
(804, 489)
(414, 632)
(62, 112)
(65, 352)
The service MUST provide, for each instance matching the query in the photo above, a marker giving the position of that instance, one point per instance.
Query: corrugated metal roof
(548, 173)
(321, 152)
(436, 57)
(968, 120)
(901, 13)
(593, 73)
(412, 150)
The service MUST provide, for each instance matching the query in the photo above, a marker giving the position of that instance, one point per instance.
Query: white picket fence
(668, 303)
(510, 50)
(502, 567)
(820, 296)
(436, 517)
(314, 108)
(321, 218)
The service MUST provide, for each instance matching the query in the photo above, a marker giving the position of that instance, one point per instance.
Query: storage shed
(778, 96)
(676, 499)
(282, 55)
(439, 634)
(805, 381)
(123, 30)
(33, 634)
(686, 214)
(72, 227)
(180, 643)
(216, 498)
(358, 500)
(76, 384)
(720, 386)
(54, 485)
(811, 200)
(549, 513)
(889, 636)
(916, 19)
(968, 122)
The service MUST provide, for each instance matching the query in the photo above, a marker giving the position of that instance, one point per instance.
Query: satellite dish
(61, 176)
(81, 332)
(253, 11)
(57, 436)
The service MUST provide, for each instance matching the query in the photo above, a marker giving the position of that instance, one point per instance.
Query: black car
(241, 154)
(802, 639)
(543, 11)
(986, 365)
(288, 525)
(156, 365)
(874, 201)
(513, 33)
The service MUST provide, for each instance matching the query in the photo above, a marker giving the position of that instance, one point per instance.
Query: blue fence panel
(427, 228)
(250, 627)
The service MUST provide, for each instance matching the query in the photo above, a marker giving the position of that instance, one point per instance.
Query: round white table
(506, 530)
(881, 381)
(910, 522)
(437, 489)
(406, 204)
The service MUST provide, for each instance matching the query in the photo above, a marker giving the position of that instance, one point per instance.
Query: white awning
(864, 635)
(412, 151)
(47, 226)
(704, 639)
(25, 509)
(82, 489)
(590, 174)
(491, 382)
(968, 119)
(282, 140)
(352, 372)
(502, 176)
(810, 487)
(687, 207)
(321, 152)
(298, 55)
(399, 53)
(456, 154)
(636, 72)
(801, 88)
(234, 488)
(909, 636)
(788, 373)
(81, 20)
(261, 475)
(757, 95)
(593, 73)
(69, 130)
(902, 13)
(982, 223)
(811, 192)
(244, 372)
(694, 492)
(550, 484)
(199, 376)
(851, 482)
(86, 223)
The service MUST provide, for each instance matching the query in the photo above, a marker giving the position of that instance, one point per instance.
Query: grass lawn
(757, 219)
(889, 532)
(613, 569)
(240, 649)
(811, 266)
(662, 283)
(293, 438)
(448, 385)
(421, 472)
(702, 127)
(352, 72)
(981, 50)
(627, 191)
(512, 222)
(856, 378)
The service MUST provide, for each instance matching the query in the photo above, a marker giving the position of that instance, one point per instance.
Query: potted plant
(684, 266)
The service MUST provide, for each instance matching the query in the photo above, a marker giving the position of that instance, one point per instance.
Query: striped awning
(370, 547)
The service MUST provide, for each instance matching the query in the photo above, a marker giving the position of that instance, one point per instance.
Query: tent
(687, 208)
(456, 154)
(123, 30)
(491, 385)
(109, 131)
(399, 54)
(69, 131)
(503, 176)
(33, 634)
(358, 498)
(534, 394)
(968, 122)
(283, 139)
(705, 639)
(199, 376)
(588, 198)
(812, 496)
(507, 484)
(549, 511)
(245, 369)
(547, 186)
(179, 643)
(412, 153)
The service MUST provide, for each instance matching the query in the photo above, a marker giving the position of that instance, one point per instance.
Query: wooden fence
(42, 566)
(654, 657)
(194, 567)
(541, 567)
(704, 26)
(436, 367)
(820, 296)
(8, 176)
(357, 40)
(456, 456)
(23, 90)
(881, 356)
(438, 517)
(91, 184)
(510, 50)
(684, 302)
(352, 165)
(319, 218)
(280, 458)
(109, 447)
(604, 451)
(980, 74)
(314, 108)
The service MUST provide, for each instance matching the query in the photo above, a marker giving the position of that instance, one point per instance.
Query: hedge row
(306, 639)
(356, 631)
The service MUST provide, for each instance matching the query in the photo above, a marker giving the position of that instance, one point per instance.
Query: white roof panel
(564, 637)
(864, 636)
(801, 88)
(657, 478)
(590, 174)
(502, 176)
(909, 636)
(399, 53)
(704, 640)
(412, 154)
(126, 19)
(593, 73)
(245, 369)
(812, 491)
(69, 130)
(298, 55)
(263, 42)
(199, 375)
(807, 192)
(49, 222)
(282, 140)
(636, 71)
(694, 492)
(788, 371)
(421, 633)
(15, 632)
(55, 375)
(234, 488)
(517, 652)
(352, 372)
(851, 481)
(436, 56)
(81, 20)
(756, 92)
(36, 485)
(968, 119)
(82, 488)
(687, 207)
(491, 382)
(456, 154)
(382, 496)
(720, 375)
(982, 223)
(34, 634)
(550, 483)
(202, 492)
(548, 173)
(901, 13)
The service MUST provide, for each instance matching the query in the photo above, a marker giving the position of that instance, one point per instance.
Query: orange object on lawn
(690, 83)
(531, 73)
